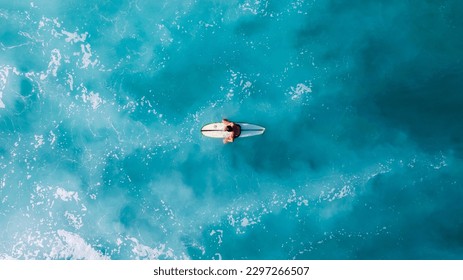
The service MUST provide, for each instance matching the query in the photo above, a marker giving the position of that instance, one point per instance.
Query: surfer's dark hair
(229, 128)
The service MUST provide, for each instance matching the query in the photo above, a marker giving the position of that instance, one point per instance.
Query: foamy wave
(219, 234)
(66, 195)
(74, 37)
(54, 26)
(4, 72)
(53, 65)
(74, 220)
(145, 252)
(240, 84)
(244, 217)
(70, 82)
(165, 35)
(299, 90)
(74, 247)
(93, 98)
(86, 56)
(6, 257)
(38, 141)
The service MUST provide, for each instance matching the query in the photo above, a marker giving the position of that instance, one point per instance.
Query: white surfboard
(216, 130)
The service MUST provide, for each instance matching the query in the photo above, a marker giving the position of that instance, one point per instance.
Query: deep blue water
(101, 105)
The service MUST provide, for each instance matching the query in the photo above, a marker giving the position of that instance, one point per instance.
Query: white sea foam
(74, 220)
(165, 35)
(142, 251)
(70, 82)
(74, 37)
(219, 234)
(56, 22)
(66, 195)
(41, 24)
(238, 85)
(93, 98)
(4, 72)
(38, 141)
(2, 105)
(53, 65)
(6, 257)
(86, 56)
(245, 222)
(75, 247)
(251, 6)
(246, 85)
(299, 90)
(52, 138)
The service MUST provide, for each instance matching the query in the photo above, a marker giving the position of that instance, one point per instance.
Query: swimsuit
(237, 131)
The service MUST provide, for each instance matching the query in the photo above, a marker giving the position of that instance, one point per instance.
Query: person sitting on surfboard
(232, 127)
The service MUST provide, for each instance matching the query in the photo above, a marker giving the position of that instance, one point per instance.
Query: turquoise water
(101, 103)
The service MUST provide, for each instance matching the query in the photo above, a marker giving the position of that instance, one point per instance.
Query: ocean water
(101, 105)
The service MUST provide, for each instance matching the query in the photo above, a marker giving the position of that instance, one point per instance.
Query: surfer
(232, 127)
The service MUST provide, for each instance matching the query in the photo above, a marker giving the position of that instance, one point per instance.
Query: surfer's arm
(227, 122)
(228, 139)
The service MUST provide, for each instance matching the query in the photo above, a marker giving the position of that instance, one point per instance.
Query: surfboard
(216, 130)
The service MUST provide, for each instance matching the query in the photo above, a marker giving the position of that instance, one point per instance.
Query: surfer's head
(229, 128)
